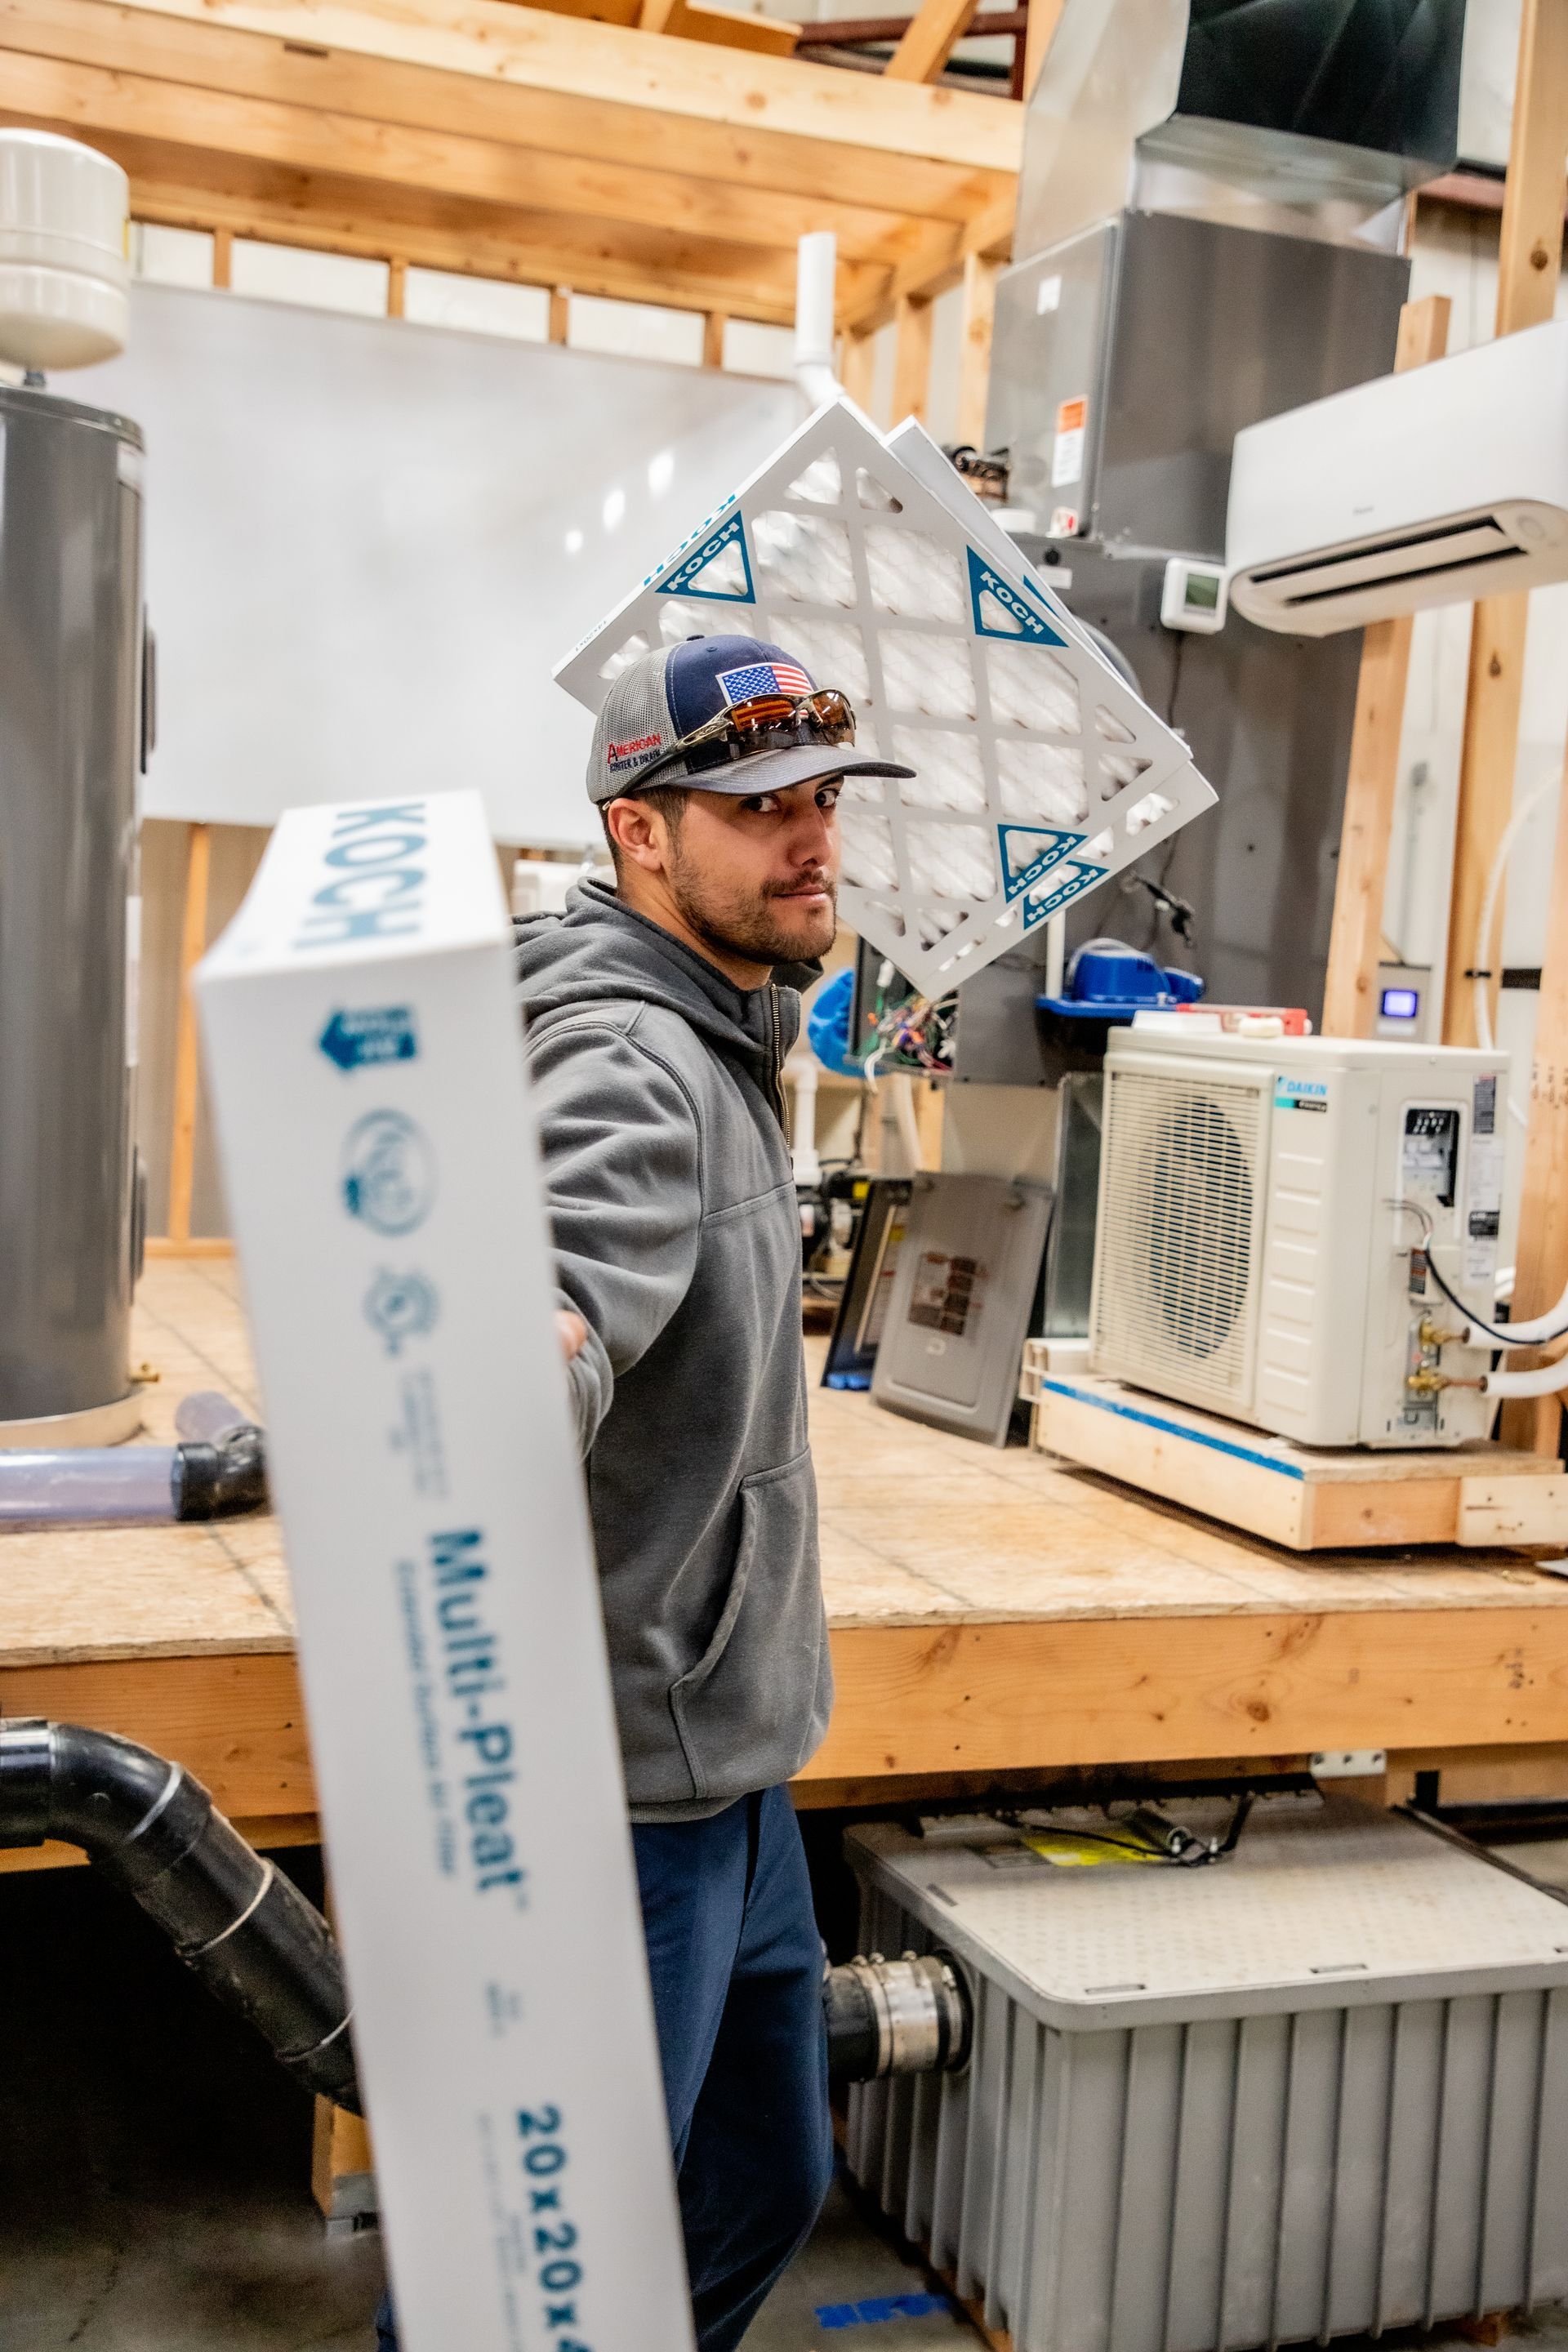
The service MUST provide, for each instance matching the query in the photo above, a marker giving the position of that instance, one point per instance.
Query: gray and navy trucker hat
(662, 696)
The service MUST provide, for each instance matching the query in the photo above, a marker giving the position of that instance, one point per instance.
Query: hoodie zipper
(775, 1060)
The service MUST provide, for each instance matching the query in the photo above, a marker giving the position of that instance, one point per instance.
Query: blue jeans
(736, 1965)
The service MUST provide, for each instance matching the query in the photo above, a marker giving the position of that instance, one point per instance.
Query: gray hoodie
(678, 1240)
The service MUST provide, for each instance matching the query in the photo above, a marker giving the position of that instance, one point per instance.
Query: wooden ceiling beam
(178, 47)
(768, 37)
(773, 37)
(181, 188)
(937, 265)
(571, 58)
(106, 96)
(934, 33)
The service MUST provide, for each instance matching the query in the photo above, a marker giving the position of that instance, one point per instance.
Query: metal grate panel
(1039, 773)
(1180, 1232)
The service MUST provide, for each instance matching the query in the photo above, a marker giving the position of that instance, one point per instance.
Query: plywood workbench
(991, 1612)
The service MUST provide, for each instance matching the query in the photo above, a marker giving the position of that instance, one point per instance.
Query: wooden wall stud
(1530, 258)
(187, 1055)
(1355, 943)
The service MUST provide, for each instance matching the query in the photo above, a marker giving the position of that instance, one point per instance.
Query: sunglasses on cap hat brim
(768, 743)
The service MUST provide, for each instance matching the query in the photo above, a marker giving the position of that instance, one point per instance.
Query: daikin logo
(377, 865)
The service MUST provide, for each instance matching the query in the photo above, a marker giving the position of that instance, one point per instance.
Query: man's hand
(572, 1331)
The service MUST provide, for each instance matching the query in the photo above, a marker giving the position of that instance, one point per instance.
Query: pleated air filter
(1038, 773)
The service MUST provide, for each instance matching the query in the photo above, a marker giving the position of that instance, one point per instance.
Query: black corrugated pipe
(265, 1952)
(247, 1932)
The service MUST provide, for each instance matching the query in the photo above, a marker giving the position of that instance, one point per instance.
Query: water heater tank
(72, 721)
(64, 233)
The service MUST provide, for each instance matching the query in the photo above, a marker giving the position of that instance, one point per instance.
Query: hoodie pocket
(746, 1712)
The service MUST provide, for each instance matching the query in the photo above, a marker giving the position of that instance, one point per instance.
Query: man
(655, 1038)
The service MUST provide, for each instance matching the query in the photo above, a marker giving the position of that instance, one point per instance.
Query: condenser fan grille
(1178, 1245)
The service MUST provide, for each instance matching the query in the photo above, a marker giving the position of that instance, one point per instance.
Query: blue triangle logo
(1055, 896)
(724, 549)
(1028, 850)
(1008, 605)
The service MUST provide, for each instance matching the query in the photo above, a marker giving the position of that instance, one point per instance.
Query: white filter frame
(979, 593)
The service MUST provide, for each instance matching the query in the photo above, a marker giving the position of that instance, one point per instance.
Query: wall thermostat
(1194, 596)
(1404, 1005)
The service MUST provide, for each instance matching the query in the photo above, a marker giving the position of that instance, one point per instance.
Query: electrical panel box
(959, 1307)
(1278, 1218)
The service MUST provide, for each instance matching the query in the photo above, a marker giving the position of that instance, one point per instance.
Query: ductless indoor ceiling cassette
(1038, 773)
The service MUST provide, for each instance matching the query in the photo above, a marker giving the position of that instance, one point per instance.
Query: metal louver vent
(1178, 1236)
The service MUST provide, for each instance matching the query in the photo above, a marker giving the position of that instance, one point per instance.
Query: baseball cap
(665, 695)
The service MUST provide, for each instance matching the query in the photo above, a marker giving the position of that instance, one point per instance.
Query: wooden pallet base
(1307, 1498)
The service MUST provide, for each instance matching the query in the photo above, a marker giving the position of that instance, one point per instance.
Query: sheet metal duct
(1209, 227)
(70, 727)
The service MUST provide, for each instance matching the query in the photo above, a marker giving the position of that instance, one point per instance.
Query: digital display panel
(1400, 1004)
(1203, 592)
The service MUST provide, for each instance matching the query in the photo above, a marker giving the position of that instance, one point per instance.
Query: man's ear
(639, 833)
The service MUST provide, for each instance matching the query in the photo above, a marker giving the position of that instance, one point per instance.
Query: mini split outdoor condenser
(1315, 2088)
(1264, 1202)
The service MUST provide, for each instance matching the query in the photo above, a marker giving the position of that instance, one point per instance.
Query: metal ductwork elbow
(909, 2016)
(256, 1943)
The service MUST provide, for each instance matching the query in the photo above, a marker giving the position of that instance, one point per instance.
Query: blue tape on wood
(1175, 1429)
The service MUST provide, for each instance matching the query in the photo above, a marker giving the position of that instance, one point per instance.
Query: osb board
(919, 1529)
(923, 1528)
(1306, 1498)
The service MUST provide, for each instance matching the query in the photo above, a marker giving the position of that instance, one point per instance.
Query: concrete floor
(154, 2171)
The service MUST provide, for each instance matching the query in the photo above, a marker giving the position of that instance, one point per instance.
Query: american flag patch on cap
(761, 677)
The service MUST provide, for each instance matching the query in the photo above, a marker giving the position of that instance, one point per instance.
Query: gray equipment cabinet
(71, 713)
(1318, 2087)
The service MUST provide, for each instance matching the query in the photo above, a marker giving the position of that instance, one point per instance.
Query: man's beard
(748, 927)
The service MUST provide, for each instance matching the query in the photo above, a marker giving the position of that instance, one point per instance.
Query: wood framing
(188, 1050)
(1305, 1498)
(1044, 1696)
(937, 1698)
(1529, 262)
(912, 358)
(1542, 1261)
(858, 368)
(935, 32)
(1355, 943)
(1045, 16)
(478, 135)
(980, 275)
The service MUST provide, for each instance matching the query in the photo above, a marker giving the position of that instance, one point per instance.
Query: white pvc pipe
(1480, 989)
(801, 1070)
(1055, 953)
(816, 282)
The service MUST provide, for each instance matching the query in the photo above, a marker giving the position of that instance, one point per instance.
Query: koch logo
(375, 884)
